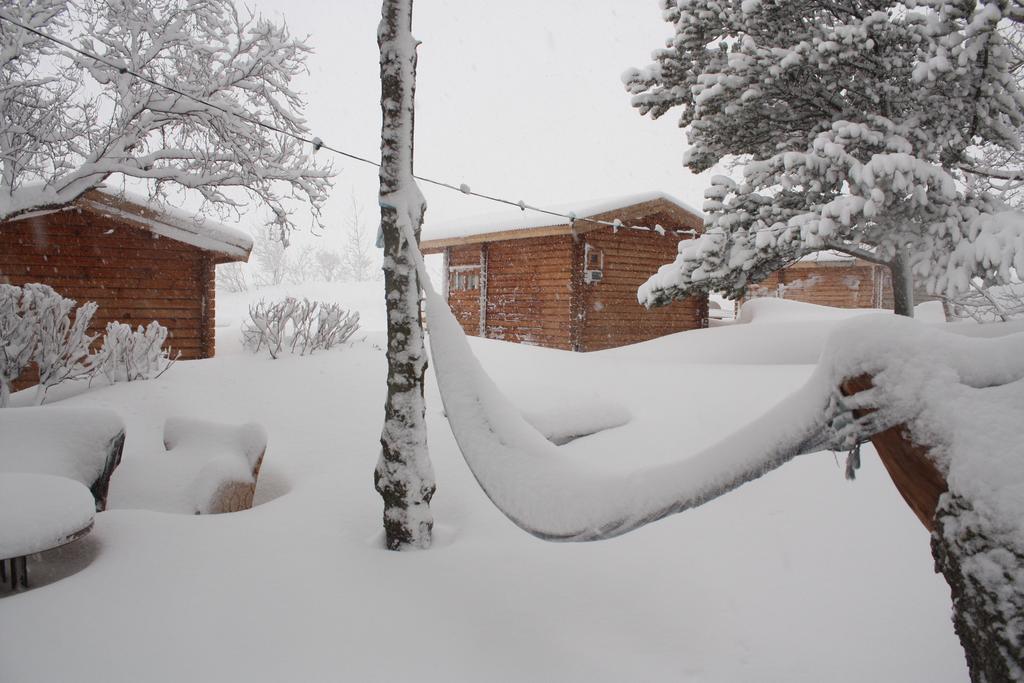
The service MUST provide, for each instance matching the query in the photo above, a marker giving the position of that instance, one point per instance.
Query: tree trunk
(404, 476)
(976, 556)
(986, 578)
(902, 283)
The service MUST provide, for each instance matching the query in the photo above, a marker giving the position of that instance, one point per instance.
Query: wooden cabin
(526, 278)
(830, 279)
(137, 263)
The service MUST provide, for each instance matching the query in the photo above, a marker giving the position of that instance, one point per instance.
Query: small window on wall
(465, 280)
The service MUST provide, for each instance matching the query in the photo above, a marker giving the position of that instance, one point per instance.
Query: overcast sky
(519, 99)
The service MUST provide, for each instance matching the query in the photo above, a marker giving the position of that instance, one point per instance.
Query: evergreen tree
(857, 126)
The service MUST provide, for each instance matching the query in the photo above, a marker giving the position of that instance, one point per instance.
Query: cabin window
(464, 279)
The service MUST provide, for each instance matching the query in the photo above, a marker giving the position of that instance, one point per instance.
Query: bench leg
(24, 570)
(16, 571)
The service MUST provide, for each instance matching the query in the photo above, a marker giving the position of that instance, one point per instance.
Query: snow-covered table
(39, 512)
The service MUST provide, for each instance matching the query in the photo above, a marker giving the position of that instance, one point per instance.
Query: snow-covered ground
(799, 576)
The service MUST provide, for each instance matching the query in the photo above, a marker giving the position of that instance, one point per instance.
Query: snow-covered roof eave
(826, 257)
(230, 243)
(518, 224)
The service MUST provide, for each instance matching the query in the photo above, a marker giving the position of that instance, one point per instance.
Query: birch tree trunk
(404, 476)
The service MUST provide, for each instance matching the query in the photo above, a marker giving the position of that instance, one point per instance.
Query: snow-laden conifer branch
(854, 121)
(71, 121)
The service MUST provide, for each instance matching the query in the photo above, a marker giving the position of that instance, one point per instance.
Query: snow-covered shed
(137, 262)
(830, 278)
(528, 277)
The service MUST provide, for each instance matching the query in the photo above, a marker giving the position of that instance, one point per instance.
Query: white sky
(518, 99)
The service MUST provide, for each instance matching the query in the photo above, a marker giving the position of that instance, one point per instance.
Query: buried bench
(80, 444)
(227, 461)
(39, 512)
(203, 468)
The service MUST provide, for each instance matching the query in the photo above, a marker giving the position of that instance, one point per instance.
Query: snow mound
(201, 458)
(773, 310)
(67, 442)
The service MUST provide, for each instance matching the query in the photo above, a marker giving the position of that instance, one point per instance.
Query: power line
(318, 144)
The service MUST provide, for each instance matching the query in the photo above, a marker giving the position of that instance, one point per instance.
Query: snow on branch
(853, 130)
(71, 121)
(128, 355)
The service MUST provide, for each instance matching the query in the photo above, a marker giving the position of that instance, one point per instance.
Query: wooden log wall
(465, 303)
(133, 275)
(611, 315)
(829, 283)
(529, 291)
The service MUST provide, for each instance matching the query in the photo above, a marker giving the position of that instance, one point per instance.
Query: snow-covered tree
(270, 258)
(404, 476)
(355, 252)
(233, 277)
(17, 338)
(301, 264)
(68, 122)
(329, 265)
(857, 126)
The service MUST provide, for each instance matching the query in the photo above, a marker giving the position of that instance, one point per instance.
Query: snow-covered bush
(39, 325)
(128, 355)
(17, 338)
(297, 325)
(61, 342)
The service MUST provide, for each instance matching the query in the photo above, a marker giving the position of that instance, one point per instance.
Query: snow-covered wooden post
(404, 476)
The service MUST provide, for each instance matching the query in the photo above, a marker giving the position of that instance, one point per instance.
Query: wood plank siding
(464, 262)
(843, 284)
(529, 291)
(611, 315)
(134, 275)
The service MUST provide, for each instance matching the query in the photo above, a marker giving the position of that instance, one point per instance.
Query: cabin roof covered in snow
(515, 223)
(177, 224)
(827, 257)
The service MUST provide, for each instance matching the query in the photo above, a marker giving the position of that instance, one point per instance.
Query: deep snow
(800, 576)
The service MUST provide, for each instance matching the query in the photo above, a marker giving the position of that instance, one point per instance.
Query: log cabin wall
(133, 275)
(529, 291)
(464, 299)
(611, 315)
(842, 284)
